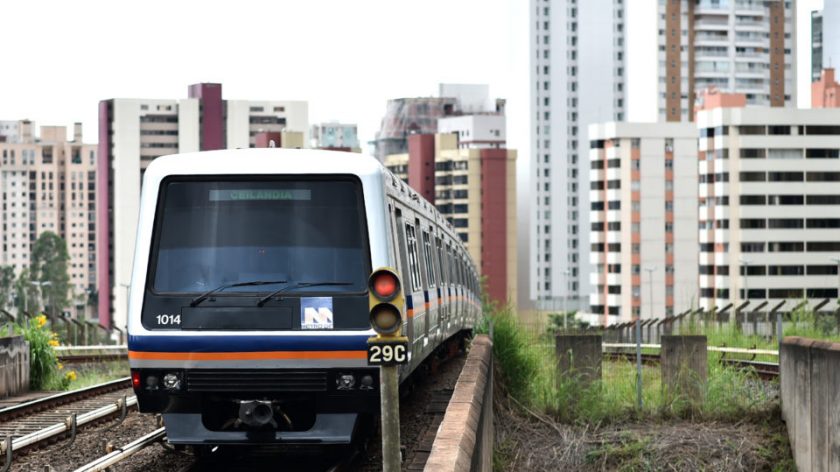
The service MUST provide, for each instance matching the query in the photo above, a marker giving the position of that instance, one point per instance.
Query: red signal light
(384, 285)
(135, 379)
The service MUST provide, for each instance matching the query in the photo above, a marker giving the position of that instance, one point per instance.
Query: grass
(527, 365)
(88, 375)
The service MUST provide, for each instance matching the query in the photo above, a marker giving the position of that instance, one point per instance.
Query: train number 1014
(387, 353)
(168, 320)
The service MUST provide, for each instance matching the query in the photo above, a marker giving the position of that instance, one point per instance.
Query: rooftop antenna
(271, 144)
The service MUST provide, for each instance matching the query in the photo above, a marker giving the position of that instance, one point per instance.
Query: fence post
(638, 364)
(579, 355)
(684, 363)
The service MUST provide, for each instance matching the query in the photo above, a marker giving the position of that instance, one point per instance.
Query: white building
(643, 229)
(475, 131)
(744, 46)
(49, 184)
(133, 132)
(577, 78)
(769, 204)
(335, 135)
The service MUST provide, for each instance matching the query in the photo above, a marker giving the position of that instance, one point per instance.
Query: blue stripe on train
(163, 343)
(409, 302)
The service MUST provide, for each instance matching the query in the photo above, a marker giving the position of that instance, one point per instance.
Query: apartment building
(49, 184)
(769, 196)
(643, 220)
(133, 132)
(744, 46)
(474, 187)
(825, 38)
(578, 77)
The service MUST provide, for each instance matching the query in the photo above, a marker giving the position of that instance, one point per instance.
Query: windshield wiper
(195, 301)
(273, 294)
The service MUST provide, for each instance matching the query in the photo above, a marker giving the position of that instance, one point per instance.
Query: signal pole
(390, 398)
(388, 349)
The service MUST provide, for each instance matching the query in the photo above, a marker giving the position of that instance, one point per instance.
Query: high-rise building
(744, 46)
(49, 184)
(643, 193)
(816, 45)
(335, 135)
(133, 132)
(825, 38)
(578, 77)
(419, 115)
(769, 204)
(474, 188)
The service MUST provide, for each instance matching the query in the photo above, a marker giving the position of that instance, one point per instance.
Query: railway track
(46, 420)
(765, 370)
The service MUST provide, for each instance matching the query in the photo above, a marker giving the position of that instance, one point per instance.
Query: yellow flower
(54, 335)
(41, 320)
(60, 366)
(53, 343)
(71, 376)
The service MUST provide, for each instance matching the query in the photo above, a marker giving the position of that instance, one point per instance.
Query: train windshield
(211, 233)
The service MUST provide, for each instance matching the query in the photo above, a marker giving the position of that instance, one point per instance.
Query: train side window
(413, 263)
(422, 268)
(441, 266)
(402, 246)
(427, 257)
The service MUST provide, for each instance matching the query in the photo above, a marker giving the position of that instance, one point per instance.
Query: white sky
(345, 57)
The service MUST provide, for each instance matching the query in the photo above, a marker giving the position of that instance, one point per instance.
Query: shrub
(42, 358)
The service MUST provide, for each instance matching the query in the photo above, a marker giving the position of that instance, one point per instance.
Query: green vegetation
(49, 268)
(527, 365)
(99, 373)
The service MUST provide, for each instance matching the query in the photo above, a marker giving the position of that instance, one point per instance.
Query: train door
(430, 279)
(441, 289)
(413, 300)
(421, 305)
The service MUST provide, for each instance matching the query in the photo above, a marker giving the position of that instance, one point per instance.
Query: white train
(253, 317)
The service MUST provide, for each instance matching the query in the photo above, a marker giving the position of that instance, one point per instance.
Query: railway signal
(388, 349)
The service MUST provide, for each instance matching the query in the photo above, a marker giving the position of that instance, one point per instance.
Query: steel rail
(123, 452)
(65, 426)
(40, 404)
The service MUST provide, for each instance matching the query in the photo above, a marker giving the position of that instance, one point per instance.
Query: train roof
(265, 161)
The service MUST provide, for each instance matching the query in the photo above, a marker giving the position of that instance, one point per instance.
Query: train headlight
(366, 383)
(385, 318)
(152, 382)
(345, 382)
(172, 381)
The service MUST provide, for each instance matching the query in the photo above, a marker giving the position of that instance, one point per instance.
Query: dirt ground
(529, 441)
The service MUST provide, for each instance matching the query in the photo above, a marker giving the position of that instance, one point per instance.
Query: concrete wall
(810, 391)
(464, 440)
(14, 366)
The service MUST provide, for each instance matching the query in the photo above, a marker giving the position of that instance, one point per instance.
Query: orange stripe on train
(245, 356)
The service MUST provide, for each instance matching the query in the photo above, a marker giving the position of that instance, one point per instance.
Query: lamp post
(565, 287)
(39, 285)
(650, 270)
(127, 291)
(746, 263)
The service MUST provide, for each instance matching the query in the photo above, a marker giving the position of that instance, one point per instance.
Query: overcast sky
(345, 57)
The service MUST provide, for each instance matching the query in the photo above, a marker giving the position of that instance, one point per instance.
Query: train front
(252, 322)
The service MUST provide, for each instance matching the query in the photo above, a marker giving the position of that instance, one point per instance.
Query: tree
(7, 285)
(49, 264)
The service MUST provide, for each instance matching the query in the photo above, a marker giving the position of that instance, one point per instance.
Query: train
(249, 310)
